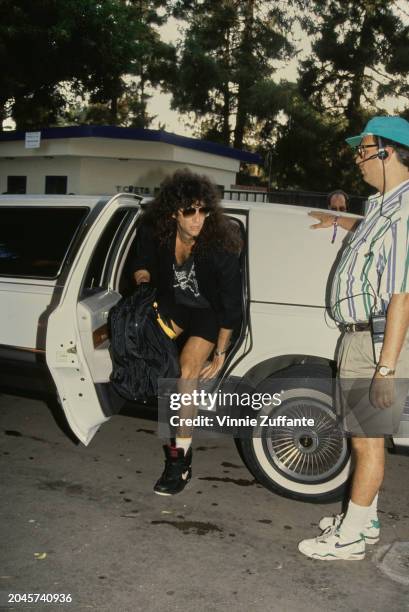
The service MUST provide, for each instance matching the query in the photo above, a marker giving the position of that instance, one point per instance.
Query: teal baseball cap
(393, 128)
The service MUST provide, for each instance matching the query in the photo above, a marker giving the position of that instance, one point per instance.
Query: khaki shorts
(355, 392)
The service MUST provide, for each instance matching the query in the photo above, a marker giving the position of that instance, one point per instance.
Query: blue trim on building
(106, 131)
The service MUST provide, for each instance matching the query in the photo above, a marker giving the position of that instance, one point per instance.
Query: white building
(104, 160)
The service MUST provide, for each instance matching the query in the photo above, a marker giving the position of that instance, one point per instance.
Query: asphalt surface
(85, 522)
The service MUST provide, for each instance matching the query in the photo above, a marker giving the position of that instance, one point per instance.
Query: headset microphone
(372, 157)
(382, 155)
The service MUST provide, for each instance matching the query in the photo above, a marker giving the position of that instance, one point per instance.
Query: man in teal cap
(371, 279)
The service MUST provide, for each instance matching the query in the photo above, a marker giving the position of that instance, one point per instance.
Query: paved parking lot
(85, 522)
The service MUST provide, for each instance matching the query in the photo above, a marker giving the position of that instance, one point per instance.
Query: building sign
(33, 140)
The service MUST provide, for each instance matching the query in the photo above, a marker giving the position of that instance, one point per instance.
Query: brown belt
(355, 327)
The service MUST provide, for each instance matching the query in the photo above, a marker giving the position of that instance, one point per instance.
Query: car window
(96, 277)
(34, 241)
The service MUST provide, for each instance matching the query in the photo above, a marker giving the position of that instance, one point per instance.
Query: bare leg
(369, 470)
(347, 539)
(192, 359)
(178, 469)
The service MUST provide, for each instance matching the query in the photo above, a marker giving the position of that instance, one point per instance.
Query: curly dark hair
(181, 190)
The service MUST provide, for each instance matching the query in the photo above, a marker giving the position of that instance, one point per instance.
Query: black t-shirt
(218, 274)
(185, 285)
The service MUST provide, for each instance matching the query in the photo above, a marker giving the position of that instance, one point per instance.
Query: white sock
(373, 510)
(183, 443)
(355, 520)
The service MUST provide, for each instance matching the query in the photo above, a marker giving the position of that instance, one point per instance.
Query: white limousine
(66, 260)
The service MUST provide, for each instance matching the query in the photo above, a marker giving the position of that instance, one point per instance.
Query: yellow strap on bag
(166, 328)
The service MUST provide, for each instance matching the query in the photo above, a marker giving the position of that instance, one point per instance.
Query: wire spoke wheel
(307, 454)
(308, 459)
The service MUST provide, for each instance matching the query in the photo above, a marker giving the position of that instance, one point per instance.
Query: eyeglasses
(190, 211)
(360, 149)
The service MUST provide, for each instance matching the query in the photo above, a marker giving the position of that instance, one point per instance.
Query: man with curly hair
(189, 250)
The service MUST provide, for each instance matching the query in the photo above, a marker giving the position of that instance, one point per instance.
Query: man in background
(338, 201)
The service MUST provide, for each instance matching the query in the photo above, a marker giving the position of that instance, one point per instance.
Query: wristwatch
(384, 370)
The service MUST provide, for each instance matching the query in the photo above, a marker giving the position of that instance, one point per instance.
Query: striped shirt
(375, 262)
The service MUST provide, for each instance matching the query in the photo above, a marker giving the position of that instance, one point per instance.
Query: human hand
(142, 276)
(325, 219)
(382, 392)
(212, 368)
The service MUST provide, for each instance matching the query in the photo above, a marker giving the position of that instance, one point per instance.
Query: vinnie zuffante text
(209, 401)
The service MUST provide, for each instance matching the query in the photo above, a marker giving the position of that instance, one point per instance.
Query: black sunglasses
(190, 211)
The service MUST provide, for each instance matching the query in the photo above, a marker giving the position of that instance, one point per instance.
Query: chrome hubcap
(307, 454)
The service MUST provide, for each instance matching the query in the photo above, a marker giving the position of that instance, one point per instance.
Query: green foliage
(131, 111)
(355, 45)
(89, 45)
(308, 151)
(229, 46)
(98, 61)
(357, 57)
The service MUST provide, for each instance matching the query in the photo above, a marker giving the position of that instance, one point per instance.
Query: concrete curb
(393, 561)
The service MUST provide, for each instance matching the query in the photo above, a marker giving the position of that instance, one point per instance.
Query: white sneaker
(329, 546)
(371, 532)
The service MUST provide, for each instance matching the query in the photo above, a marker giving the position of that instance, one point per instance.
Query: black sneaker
(177, 472)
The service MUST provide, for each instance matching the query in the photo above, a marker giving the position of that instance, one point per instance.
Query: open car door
(77, 335)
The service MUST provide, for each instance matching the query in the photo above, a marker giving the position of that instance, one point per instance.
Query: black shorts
(201, 322)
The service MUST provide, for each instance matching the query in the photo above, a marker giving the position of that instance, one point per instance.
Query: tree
(229, 48)
(152, 63)
(355, 45)
(85, 47)
(303, 147)
(130, 111)
(356, 59)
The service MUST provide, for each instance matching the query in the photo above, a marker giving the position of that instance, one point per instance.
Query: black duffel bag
(141, 352)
